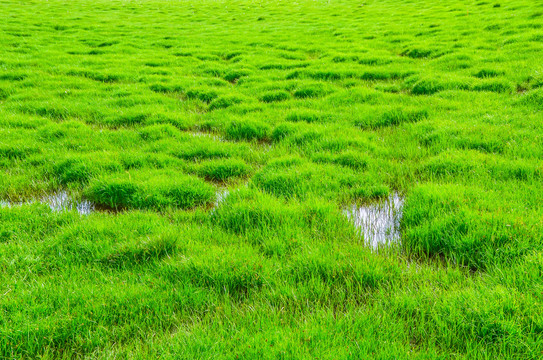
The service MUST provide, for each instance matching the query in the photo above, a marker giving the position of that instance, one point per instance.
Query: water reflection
(62, 201)
(58, 201)
(378, 222)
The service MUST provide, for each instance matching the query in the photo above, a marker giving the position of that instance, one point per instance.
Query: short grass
(152, 109)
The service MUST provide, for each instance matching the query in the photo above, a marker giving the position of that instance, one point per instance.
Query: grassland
(153, 109)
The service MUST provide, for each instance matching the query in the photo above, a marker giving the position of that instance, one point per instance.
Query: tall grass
(232, 135)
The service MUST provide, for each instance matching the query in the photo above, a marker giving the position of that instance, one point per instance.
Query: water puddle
(221, 196)
(378, 222)
(60, 201)
(207, 135)
(222, 193)
(64, 201)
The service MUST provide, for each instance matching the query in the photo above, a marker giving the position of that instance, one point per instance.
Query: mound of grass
(417, 53)
(310, 91)
(4, 93)
(251, 213)
(307, 116)
(73, 170)
(533, 99)
(439, 222)
(496, 86)
(488, 73)
(202, 147)
(205, 95)
(16, 152)
(430, 86)
(224, 102)
(275, 96)
(158, 132)
(223, 170)
(150, 190)
(392, 117)
(351, 159)
(236, 273)
(166, 88)
(247, 130)
(234, 75)
(333, 177)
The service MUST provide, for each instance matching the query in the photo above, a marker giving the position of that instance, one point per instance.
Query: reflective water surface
(378, 222)
(59, 200)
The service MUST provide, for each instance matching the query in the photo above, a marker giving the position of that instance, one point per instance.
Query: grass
(231, 136)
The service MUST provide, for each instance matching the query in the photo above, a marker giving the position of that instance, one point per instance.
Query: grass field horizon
(196, 179)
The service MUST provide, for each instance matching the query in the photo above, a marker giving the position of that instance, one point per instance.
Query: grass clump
(332, 177)
(275, 96)
(16, 152)
(439, 222)
(222, 170)
(223, 102)
(494, 86)
(158, 132)
(351, 159)
(488, 73)
(250, 211)
(73, 170)
(533, 99)
(305, 116)
(310, 91)
(417, 53)
(392, 117)
(234, 75)
(147, 190)
(247, 130)
(204, 95)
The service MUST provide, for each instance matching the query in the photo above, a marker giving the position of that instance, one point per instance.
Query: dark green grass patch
(234, 75)
(166, 88)
(262, 217)
(80, 169)
(235, 273)
(468, 163)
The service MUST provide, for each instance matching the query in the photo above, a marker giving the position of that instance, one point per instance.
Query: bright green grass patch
(452, 221)
(223, 170)
(148, 190)
(236, 139)
(392, 117)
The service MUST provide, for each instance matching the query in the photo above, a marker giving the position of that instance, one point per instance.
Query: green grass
(230, 136)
